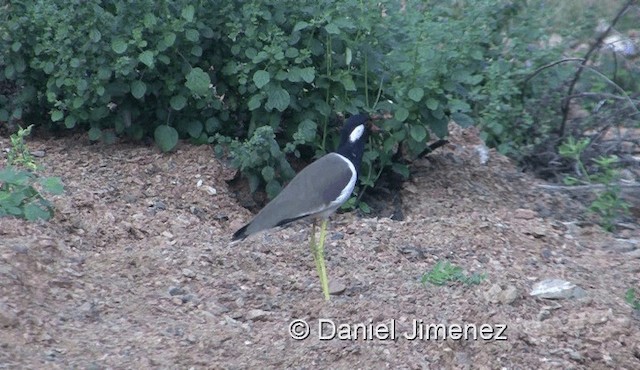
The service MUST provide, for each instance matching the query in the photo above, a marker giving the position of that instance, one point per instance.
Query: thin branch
(600, 95)
(617, 87)
(547, 66)
(585, 187)
(576, 77)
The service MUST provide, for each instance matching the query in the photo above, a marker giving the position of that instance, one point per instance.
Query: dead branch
(585, 187)
(576, 77)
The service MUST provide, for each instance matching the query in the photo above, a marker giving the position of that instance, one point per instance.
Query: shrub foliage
(219, 71)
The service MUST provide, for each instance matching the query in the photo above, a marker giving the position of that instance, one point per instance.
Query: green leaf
(401, 169)
(261, 78)
(146, 57)
(78, 101)
(332, 29)
(440, 127)
(300, 26)
(306, 131)
(462, 119)
(10, 72)
(273, 188)
(196, 50)
(348, 83)
(268, 173)
(416, 94)
(294, 74)
(212, 125)
(138, 89)
(32, 212)
(95, 35)
(188, 12)
(69, 121)
(48, 67)
(16, 46)
(119, 45)
(56, 115)
(308, 74)
(198, 81)
(418, 133)
(401, 114)
(169, 39)
(255, 102)
(20, 65)
(149, 20)
(278, 98)
(364, 207)
(17, 113)
(166, 137)
(192, 35)
(432, 104)
(95, 134)
(4, 115)
(194, 128)
(178, 102)
(52, 185)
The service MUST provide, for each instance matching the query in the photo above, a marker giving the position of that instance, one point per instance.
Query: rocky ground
(136, 270)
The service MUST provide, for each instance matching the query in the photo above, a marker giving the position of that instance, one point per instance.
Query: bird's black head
(353, 137)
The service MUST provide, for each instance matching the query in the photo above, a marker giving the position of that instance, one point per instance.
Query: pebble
(7, 318)
(633, 254)
(496, 294)
(557, 289)
(188, 273)
(257, 315)
(524, 214)
(336, 287)
(174, 290)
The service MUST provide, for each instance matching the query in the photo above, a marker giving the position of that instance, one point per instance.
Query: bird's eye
(356, 134)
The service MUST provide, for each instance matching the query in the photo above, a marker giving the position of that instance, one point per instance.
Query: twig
(576, 77)
(432, 147)
(601, 95)
(617, 87)
(585, 187)
(547, 66)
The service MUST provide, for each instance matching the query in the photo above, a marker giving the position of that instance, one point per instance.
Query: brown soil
(136, 271)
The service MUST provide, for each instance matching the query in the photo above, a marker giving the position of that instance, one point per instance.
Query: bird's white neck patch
(356, 134)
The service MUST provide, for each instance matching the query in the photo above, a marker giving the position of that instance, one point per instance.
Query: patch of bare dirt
(136, 271)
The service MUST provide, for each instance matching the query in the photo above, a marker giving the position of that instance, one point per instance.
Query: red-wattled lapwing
(317, 192)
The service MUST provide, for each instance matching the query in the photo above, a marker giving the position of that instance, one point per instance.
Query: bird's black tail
(241, 233)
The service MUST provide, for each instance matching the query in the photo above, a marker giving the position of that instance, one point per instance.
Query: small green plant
(259, 159)
(445, 272)
(19, 194)
(20, 197)
(19, 154)
(608, 204)
(631, 298)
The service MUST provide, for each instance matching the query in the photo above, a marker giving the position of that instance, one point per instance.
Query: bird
(317, 191)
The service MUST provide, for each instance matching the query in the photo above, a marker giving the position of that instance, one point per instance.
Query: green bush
(217, 71)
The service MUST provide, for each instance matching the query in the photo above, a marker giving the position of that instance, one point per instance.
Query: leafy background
(268, 82)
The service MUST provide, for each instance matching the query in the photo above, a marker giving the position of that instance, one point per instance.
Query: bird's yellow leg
(314, 250)
(322, 268)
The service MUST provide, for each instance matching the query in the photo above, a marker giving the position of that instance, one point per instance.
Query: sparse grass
(446, 272)
(632, 299)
